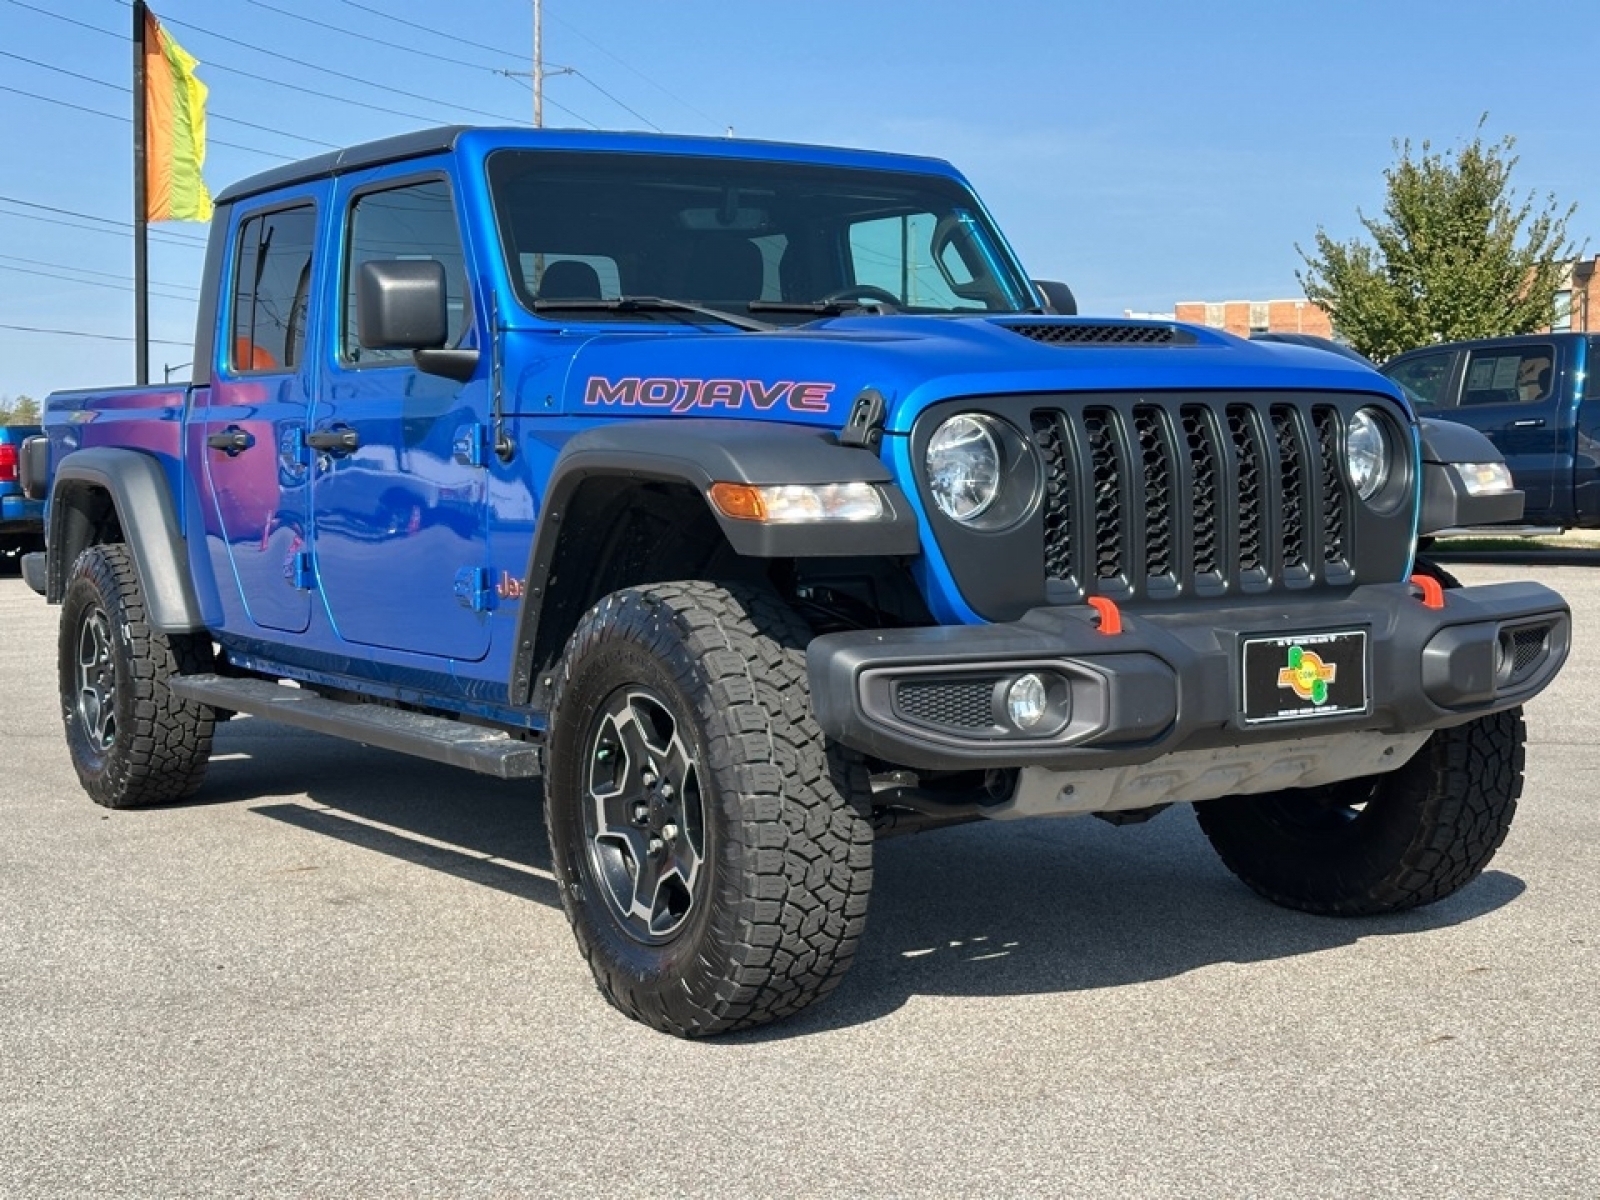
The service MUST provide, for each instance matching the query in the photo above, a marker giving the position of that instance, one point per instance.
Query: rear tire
(132, 741)
(710, 852)
(1384, 843)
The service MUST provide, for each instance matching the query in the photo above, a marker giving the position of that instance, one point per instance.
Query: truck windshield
(788, 242)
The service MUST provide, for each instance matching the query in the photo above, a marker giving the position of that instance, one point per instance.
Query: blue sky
(1145, 153)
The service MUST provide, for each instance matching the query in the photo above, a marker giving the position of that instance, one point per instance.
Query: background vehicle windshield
(726, 232)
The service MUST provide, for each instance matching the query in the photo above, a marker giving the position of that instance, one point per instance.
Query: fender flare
(137, 485)
(700, 452)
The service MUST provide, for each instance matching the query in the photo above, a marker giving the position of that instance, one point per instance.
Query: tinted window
(272, 277)
(1423, 378)
(726, 232)
(403, 223)
(1516, 375)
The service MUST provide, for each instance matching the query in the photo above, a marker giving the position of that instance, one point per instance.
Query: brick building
(1245, 317)
(1578, 303)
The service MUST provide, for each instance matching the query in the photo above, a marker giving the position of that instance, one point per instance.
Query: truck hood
(812, 373)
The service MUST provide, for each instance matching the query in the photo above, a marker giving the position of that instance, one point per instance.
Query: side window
(416, 221)
(1423, 378)
(1520, 376)
(915, 260)
(272, 277)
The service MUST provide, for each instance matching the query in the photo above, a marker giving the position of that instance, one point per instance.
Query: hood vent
(1077, 333)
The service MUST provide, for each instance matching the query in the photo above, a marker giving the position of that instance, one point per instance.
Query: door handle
(1529, 423)
(232, 441)
(337, 440)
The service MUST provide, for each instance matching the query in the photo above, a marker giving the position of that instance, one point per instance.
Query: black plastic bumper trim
(1172, 679)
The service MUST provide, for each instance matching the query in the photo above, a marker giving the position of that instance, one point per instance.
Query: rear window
(1509, 375)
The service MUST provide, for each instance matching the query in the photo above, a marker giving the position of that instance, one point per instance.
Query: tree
(24, 410)
(1457, 254)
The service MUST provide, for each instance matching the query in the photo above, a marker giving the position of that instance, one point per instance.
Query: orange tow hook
(1432, 593)
(1110, 616)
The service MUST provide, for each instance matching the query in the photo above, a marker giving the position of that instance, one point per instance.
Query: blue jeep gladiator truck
(753, 496)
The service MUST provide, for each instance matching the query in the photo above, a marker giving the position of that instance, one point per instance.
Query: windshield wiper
(649, 304)
(821, 308)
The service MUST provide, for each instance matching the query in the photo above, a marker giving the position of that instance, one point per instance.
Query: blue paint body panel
(398, 567)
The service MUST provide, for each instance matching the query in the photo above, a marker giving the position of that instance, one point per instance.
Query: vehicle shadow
(1078, 905)
(487, 831)
(979, 910)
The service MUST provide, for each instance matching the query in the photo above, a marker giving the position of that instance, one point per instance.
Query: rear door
(252, 418)
(1511, 393)
(399, 491)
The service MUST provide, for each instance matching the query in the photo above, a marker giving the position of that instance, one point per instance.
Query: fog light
(1027, 701)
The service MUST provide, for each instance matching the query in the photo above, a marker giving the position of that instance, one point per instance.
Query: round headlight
(963, 467)
(1366, 454)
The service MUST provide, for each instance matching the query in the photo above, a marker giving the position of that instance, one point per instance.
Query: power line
(128, 120)
(627, 66)
(429, 29)
(382, 87)
(34, 262)
(118, 287)
(166, 239)
(67, 212)
(613, 100)
(431, 55)
(213, 65)
(99, 337)
(125, 90)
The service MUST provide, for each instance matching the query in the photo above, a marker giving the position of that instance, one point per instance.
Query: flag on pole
(175, 129)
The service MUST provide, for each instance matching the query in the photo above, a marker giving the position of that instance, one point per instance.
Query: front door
(399, 489)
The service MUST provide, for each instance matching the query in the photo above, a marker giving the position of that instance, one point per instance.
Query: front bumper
(1172, 681)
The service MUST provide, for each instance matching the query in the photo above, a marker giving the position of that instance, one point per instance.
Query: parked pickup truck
(754, 496)
(21, 518)
(1537, 398)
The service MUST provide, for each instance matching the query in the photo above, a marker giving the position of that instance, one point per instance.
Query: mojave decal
(687, 395)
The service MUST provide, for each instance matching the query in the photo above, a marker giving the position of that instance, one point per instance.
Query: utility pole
(538, 64)
(141, 224)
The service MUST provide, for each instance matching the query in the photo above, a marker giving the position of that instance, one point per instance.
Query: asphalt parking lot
(342, 972)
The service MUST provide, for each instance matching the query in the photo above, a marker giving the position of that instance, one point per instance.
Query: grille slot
(1147, 500)
(1106, 472)
(1205, 468)
(948, 704)
(1291, 488)
(1332, 495)
(1247, 452)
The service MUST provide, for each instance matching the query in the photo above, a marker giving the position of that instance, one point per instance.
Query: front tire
(132, 741)
(1383, 843)
(710, 851)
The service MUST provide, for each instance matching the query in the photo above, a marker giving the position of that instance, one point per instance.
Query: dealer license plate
(1305, 677)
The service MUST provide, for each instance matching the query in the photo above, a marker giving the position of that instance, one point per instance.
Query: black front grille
(1100, 334)
(1153, 500)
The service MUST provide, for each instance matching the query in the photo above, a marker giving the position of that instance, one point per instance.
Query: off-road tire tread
(803, 840)
(164, 742)
(1460, 793)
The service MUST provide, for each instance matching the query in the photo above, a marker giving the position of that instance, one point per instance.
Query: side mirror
(400, 305)
(1058, 297)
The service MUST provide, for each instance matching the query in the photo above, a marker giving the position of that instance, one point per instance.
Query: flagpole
(141, 182)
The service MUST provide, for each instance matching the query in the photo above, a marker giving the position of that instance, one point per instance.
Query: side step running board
(487, 751)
